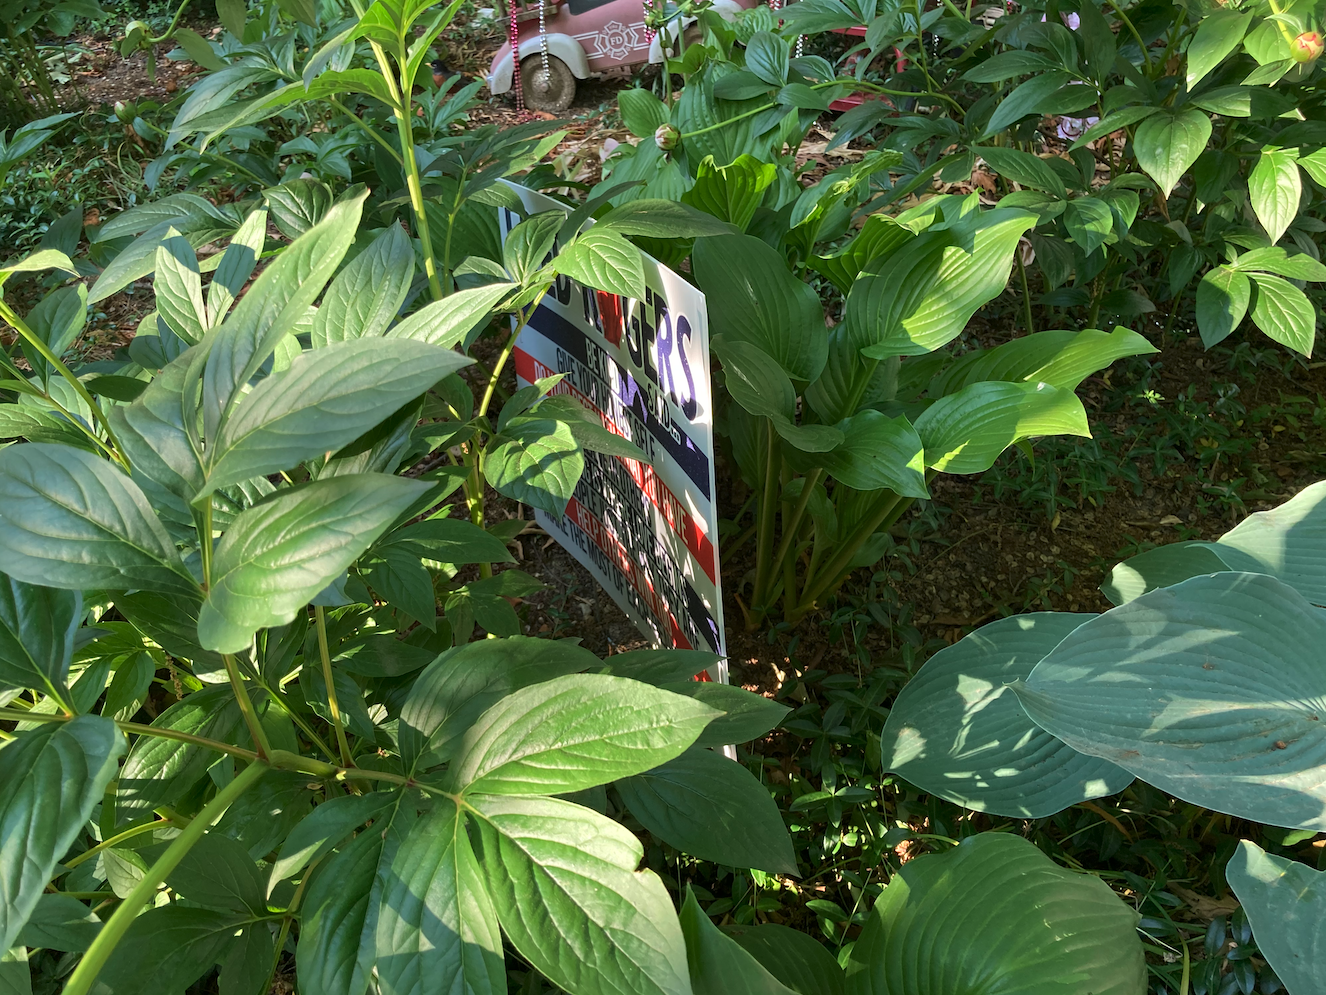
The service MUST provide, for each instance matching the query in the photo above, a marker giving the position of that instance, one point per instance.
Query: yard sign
(649, 535)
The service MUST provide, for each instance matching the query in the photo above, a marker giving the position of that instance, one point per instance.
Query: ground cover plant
(249, 561)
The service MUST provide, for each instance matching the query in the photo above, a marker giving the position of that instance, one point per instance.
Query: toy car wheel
(552, 91)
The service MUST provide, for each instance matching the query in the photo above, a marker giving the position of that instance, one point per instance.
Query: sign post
(647, 533)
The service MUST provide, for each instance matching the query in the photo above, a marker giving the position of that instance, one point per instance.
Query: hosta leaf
(710, 807)
(732, 192)
(50, 779)
(1223, 296)
(878, 451)
(37, 630)
(277, 556)
(1285, 902)
(760, 385)
(1168, 143)
(965, 432)
(326, 399)
(719, 965)
(575, 732)
(465, 681)
(754, 298)
(69, 519)
(158, 770)
(653, 218)
(1288, 542)
(794, 957)
(604, 260)
(365, 296)
(569, 898)
(958, 732)
(641, 111)
(277, 300)
(1284, 313)
(1058, 358)
(1160, 567)
(1209, 690)
(994, 914)
(436, 923)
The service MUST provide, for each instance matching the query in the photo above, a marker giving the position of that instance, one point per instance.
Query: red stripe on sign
(681, 521)
(617, 553)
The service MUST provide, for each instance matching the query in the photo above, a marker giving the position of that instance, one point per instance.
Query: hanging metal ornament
(544, 82)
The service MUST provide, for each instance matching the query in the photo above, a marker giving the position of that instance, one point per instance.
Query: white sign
(648, 534)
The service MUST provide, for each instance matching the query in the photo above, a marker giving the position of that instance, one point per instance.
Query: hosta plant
(1204, 681)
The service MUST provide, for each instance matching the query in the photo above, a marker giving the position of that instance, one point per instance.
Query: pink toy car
(584, 38)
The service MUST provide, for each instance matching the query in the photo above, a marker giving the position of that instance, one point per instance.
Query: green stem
(1026, 293)
(246, 708)
(136, 728)
(170, 31)
(44, 350)
(80, 983)
(841, 562)
(1132, 30)
(386, 145)
(792, 523)
(115, 840)
(320, 618)
(765, 527)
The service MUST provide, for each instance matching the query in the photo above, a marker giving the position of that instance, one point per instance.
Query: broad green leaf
(641, 111)
(436, 924)
(660, 667)
(536, 461)
(449, 321)
(1032, 97)
(1168, 143)
(1089, 221)
(877, 452)
(754, 298)
(58, 319)
(218, 873)
(879, 236)
(59, 922)
(1314, 164)
(325, 828)
(465, 681)
(732, 192)
(168, 949)
(957, 731)
(1208, 690)
(277, 555)
(452, 540)
(159, 771)
(713, 808)
(236, 264)
(1284, 313)
(719, 965)
(43, 259)
(767, 57)
(1007, 65)
(38, 627)
(50, 780)
(1287, 542)
(366, 296)
(171, 621)
(1112, 122)
(1217, 36)
(1160, 567)
(527, 246)
(746, 715)
(325, 400)
(213, 92)
(652, 218)
(965, 432)
(153, 433)
(949, 286)
(197, 49)
(179, 290)
(278, 299)
(298, 205)
(1285, 902)
(761, 386)
(74, 521)
(1299, 266)
(604, 260)
(1274, 189)
(994, 914)
(575, 732)
(1024, 168)
(794, 957)
(1223, 296)
(564, 882)
(336, 911)
(1059, 358)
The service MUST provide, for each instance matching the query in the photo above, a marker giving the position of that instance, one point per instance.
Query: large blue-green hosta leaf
(957, 729)
(1211, 690)
(995, 916)
(1285, 902)
(50, 779)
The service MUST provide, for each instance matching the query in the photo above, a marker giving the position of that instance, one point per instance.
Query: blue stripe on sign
(685, 452)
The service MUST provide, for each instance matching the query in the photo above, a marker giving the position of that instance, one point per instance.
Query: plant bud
(666, 137)
(1307, 47)
(126, 112)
